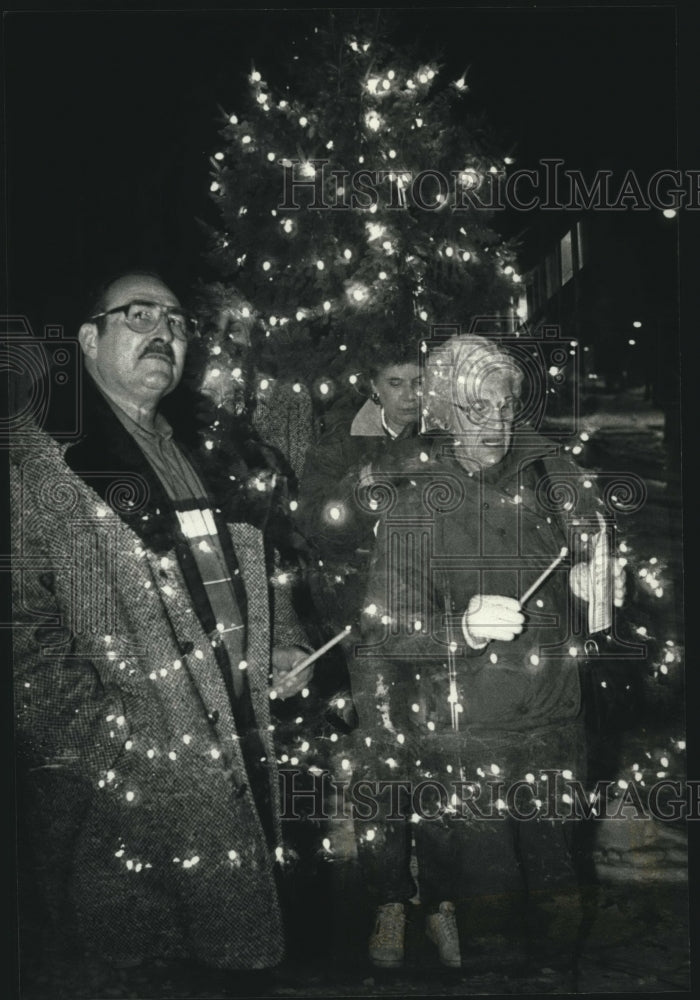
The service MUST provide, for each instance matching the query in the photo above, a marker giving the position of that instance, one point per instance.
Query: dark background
(110, 119)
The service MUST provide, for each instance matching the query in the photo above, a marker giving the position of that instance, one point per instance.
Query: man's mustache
(160, 349)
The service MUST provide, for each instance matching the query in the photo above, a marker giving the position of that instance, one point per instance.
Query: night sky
(111, 118)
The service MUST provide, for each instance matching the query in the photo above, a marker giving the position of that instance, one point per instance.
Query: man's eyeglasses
(482, 412)
(144, 317)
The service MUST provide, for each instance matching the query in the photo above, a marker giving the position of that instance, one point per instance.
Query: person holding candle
(469, 693)
(146, 638)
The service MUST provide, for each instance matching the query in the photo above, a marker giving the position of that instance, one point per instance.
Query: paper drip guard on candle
(543, 576)
(600, 597)
(308, 660)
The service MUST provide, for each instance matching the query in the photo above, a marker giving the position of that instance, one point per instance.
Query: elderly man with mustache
(143, 663)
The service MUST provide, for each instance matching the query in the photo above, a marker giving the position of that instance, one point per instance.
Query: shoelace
(447, 927)
(389, 929)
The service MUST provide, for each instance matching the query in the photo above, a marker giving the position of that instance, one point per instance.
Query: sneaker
(441, 929)
(386, 942)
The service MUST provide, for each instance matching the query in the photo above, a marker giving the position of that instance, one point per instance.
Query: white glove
(491, 616)
(284, 660)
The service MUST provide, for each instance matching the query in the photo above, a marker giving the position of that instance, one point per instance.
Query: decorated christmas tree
(351, 200)
(352, 194)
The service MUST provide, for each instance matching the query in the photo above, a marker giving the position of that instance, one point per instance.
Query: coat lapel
(249, 547)
(111, 464)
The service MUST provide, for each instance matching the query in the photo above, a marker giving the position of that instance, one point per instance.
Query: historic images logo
(550, 187)
(552, 794)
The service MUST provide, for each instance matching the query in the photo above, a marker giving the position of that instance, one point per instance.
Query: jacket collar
(528, 447)
(108, 459)
(368, 421)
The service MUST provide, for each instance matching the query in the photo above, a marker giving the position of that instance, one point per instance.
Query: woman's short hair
(457, 368)
(389, 344)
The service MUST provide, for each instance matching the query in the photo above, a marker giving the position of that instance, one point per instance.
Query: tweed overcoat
(123, 721)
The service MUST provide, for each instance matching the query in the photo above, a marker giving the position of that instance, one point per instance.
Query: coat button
(486, 506)
(213, 716)
(186, 647)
